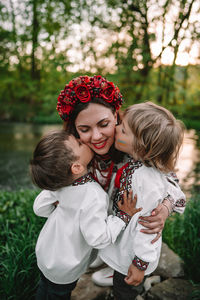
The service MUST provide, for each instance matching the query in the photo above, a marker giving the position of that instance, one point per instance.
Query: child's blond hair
(158, 135)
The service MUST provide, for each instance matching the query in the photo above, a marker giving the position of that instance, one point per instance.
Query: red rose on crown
(108, 92)
(83, 89)
(66, 109)
(82, 93)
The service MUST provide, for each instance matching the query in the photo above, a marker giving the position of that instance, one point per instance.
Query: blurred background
(149, 48)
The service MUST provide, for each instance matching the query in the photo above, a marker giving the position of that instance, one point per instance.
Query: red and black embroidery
(139, 263)
(123, 181)
(181, 203)
(123, 216)
(84, 179)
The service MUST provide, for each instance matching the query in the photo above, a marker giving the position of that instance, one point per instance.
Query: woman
(89, 106)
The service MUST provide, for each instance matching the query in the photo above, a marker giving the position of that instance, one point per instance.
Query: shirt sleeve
(99, 229)
(44, 204)
(150, 190)
(175, 194)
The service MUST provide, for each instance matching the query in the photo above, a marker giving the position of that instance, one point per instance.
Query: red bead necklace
(105, 173)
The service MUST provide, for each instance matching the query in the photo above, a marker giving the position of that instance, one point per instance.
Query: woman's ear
(116, 117)
(77, 168)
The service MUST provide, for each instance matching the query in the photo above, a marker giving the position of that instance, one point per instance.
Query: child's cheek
(121, 142)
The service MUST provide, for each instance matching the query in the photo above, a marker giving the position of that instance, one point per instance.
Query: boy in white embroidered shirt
(78, 222)
(152, 137)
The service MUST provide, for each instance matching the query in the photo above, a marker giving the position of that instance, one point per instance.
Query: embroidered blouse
(133, 246)
(79, 223)
(174, 195)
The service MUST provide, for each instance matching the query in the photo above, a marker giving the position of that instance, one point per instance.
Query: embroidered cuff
(123, 216)
(180, 203)
(140, 264)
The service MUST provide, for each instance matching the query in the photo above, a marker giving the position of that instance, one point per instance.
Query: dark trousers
(48, 290)
(124, 291)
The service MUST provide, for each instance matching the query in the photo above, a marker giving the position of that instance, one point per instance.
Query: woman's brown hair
(158, 135)
(50, 166)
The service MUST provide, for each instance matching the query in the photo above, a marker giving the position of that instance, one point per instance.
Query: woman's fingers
(157, 237)
(156, 226)
(156, 210)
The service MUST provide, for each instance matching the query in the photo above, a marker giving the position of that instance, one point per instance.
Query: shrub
(19, 231)
(182, 234)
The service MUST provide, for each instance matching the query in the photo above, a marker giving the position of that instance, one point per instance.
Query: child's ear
(77, 168)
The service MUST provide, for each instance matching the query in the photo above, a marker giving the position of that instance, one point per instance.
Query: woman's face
(96, 127)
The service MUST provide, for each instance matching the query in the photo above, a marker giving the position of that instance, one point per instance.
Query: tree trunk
(35, 31)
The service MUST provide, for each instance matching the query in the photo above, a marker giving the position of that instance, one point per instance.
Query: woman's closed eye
(83, 130)
(104, 124)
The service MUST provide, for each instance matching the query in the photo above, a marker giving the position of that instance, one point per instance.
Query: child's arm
(99, 229)
(44, 204)
(135, 276)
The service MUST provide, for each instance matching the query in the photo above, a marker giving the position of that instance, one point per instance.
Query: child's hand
(128, 204)
(134, 276)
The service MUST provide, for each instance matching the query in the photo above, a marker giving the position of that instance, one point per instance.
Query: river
(18, 141)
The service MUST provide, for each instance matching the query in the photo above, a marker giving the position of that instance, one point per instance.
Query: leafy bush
(19, 231)
(182, 234)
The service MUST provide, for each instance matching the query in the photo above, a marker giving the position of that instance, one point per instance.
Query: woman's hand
(155, 223)
(128, 205)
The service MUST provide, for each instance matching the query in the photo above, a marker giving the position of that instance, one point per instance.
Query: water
(18, 140)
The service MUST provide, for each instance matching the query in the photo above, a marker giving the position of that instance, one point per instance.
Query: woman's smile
(100, 145)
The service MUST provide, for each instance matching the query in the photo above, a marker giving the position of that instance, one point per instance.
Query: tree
(138, 26)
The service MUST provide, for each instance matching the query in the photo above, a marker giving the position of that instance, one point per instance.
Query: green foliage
(19, 231)
(182, 234)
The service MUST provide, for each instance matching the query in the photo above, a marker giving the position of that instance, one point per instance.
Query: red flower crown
(83, 89)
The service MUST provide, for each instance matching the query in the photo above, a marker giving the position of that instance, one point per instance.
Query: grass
(19, 231)
(20, 228)
(182, 234)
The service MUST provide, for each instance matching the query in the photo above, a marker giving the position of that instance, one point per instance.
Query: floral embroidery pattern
(84, 179)
(125, 183)
(123, 216)
(181, 203)
(139, 263)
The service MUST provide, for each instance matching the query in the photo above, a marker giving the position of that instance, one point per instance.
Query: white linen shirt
(78, 224)
(151, 188)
